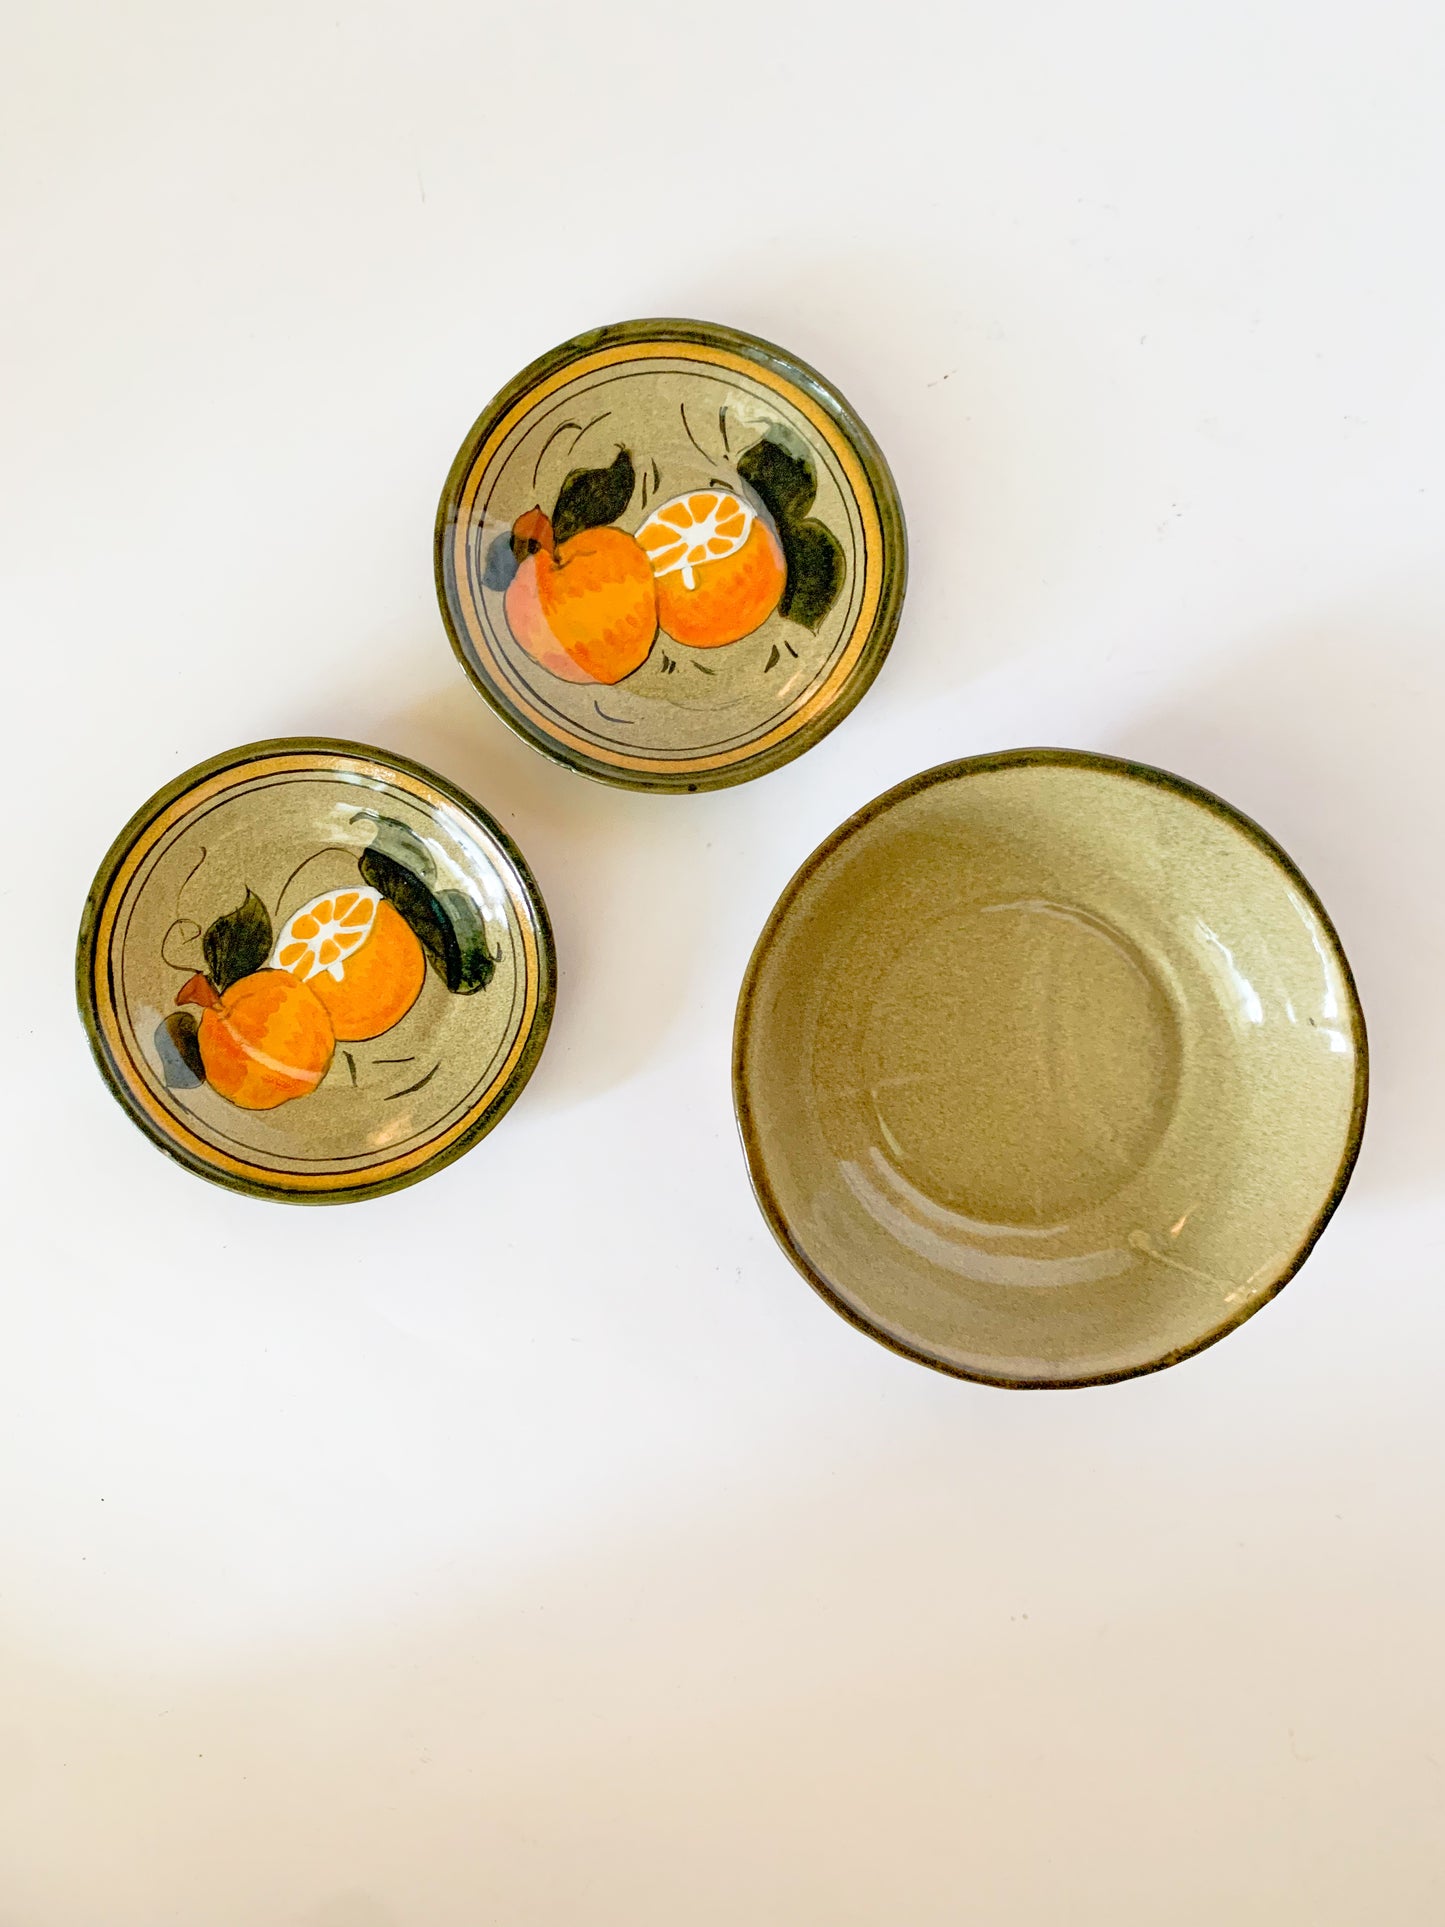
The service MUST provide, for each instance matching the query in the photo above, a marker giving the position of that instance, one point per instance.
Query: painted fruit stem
(533, 531)
(198, 990)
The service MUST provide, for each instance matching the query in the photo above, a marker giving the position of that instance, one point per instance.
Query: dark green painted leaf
(591, 497)
(782, 473)
(178, 1045)
(501, 563)
(237, 943)
(412, 896)
(448, 927)
(477, 965)
(815, 571)
(401, 843)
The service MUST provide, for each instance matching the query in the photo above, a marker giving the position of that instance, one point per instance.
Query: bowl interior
(1049, 1069)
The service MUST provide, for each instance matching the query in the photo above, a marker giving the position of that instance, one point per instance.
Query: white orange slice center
(325, 932)
(693, 529)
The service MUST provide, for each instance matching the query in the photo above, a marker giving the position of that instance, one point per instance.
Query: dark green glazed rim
(799, 374)
(86, 957)
(973, 766)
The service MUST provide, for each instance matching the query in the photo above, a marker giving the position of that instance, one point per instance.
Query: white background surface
(532, 1547)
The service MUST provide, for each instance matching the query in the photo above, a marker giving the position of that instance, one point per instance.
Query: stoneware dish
(314, 971)
(1049, 1068)
(670, 555)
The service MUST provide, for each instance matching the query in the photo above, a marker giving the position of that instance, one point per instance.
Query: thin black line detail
(682, 410)
(281, 893)
(394, 1095)
(186, 880)
(590, 426)
(560, 429)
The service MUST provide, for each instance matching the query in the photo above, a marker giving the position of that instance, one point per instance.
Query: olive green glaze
(203, 882)
(1049, 1068)
(681, 406)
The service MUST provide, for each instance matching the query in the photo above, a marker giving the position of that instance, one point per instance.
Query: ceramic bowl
(314, 971)
(670, 555)
(1049, 1068)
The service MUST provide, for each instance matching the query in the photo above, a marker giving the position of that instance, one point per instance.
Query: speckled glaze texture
(1049, 1068)
(343, 1071)
(581, 454)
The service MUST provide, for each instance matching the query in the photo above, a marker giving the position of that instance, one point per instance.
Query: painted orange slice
(357, 954)
(718, 565)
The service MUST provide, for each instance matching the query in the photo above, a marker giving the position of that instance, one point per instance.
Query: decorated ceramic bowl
(670, 555)
(314, 971)
(1049, 1068)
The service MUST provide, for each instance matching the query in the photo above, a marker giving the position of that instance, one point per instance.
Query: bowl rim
(1127, 769)
(879, 641)
(467, 806)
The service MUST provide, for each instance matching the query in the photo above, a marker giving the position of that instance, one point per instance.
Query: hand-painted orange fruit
(263, 1041)
(358, 957)
(719, 567)
(585, 608)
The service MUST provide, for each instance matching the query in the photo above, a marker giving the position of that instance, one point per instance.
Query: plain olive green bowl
(1049, 1068)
